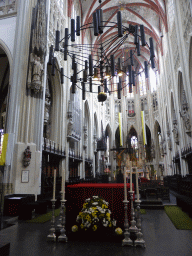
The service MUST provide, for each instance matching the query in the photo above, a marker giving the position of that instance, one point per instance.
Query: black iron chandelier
(94, 65)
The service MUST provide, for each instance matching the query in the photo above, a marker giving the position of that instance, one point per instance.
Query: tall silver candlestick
(62, 197)
(139, 241)
(52, 236)
(125, 185)
(60, 214)
(63, 237)
(132, 227)
(126, 240)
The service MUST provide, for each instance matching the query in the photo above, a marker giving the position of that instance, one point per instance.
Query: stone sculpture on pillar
(47, 106)
(38, 46)
(95, 143)
(27, 157)
(85, 136)
(169, 143)
(184, 113)
(175, 132)
(164, 147)
(152, 149)
(35, 73)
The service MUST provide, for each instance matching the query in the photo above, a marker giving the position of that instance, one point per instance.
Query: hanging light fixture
(100, 64)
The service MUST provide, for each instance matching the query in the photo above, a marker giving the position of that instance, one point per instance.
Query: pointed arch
(56, 97)
(108, 133)
(190, 63)
(132, 133)
(95, 125)
(4, 86)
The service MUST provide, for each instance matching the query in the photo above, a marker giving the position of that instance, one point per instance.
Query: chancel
(95, 127)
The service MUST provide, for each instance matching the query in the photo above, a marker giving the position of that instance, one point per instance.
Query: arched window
(134, 142)
(153, 80)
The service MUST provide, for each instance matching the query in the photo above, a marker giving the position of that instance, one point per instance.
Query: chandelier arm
(110, 50)
(84, 56)
(110, 40)
(115, 44)
(118, 45)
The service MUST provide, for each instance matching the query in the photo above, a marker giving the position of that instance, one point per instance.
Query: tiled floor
(160, 235)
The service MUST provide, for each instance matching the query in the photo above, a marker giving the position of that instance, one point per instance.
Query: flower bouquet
(95, 219)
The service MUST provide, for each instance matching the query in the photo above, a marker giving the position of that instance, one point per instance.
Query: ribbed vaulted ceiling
(151, 14)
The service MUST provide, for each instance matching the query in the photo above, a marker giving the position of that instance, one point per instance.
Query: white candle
(137, 185)
(131, 181)
(125, 185)
(54, 184)
(63, 185)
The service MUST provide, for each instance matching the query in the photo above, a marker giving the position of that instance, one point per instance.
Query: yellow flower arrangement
(95, 214)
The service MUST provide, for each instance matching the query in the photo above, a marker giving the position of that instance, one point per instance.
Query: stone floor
(160, 235)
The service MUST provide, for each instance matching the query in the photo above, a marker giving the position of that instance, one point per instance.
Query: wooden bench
(185, 203)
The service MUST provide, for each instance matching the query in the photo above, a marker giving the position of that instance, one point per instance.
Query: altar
(113, 193)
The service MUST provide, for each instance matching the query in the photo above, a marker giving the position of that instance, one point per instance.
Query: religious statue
(161, 148)
(164, 147)
(70, 127)
(95, 143)
(185, 115)
(47, 106)
(184, 112)
(35, 82)
(152, 149)
(27, 157)
(175, 133)
(85, 136)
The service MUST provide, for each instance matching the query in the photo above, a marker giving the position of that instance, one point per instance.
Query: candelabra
(133, 228)
(60, 216)
(126, 240)
(63, 237)
(52, 235)
(139, 240)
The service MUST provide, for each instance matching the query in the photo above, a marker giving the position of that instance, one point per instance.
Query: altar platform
(113, 193)
(160, 235)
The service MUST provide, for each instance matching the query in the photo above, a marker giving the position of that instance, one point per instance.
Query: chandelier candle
(125, 184)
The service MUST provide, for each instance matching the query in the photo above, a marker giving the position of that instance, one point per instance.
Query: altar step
(4, 248)
(154, 204)
(9, 221)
